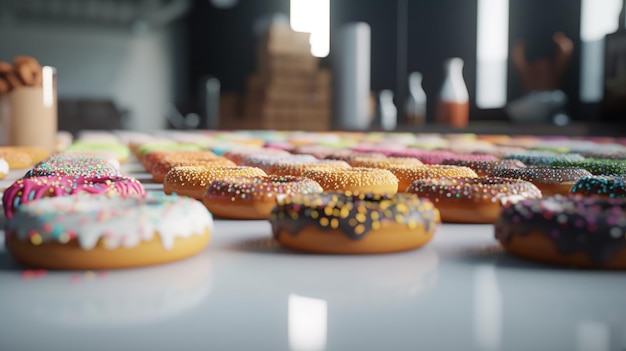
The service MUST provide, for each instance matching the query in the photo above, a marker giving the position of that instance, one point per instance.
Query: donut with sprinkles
(161, 168)
(485, 168)
(253, 197)
(26, 190)
(340, 223)
(193, 181)
(355, 180)
(581, 232)
(75, 166)
(406, 175)
(543, 158)
(549, 180)
(605, 186)
(595, 166)
(100, 231)
(473, 200)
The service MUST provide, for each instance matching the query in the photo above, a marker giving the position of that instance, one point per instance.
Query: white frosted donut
(89, 231)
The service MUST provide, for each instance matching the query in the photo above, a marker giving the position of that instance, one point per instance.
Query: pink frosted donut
(30, 189)
(426, 156)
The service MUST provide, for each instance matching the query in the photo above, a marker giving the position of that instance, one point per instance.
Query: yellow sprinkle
(359, 229)
(361, 218)
(344, 213)
(376, 225)
(412, 225)
(334, 223)
(314, 214)
(399, 218)
(36, 239)
(328, 211)
(324, 222)
(375, 216)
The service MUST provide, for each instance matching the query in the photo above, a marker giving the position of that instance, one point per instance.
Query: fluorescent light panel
(492, 53)
(312, 16)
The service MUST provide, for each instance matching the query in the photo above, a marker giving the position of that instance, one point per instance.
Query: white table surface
(459, 292)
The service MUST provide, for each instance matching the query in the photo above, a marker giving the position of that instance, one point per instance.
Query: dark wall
(222, 43)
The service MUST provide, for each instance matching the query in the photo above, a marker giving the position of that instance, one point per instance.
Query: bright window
(492, 53)
(313, 16)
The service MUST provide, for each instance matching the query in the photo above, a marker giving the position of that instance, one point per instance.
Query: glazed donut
(160, 169)
(296, 169)
(26, 190)
(406, 175)
(385, 163)
(355, 180)
(595, 166)
(253, 197)
(337, 223)
(88, 231)
(193, 181)
(4, 168)
(544, 158)
(76, 166)
(16, 159)
(582, 232)
(485, 168)
(606, 186)
(473, 200)
(550, 181)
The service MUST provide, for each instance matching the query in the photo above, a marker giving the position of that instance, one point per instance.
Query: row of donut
(341, 202)
(596, 221)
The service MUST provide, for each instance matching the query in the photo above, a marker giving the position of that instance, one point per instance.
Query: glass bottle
(415, 106)
(453, 102)
(387, 111)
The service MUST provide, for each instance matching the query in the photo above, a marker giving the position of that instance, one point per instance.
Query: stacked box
(288, 89)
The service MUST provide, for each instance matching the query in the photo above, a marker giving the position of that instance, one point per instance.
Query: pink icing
(29, 189)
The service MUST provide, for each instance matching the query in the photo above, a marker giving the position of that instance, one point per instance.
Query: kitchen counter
(245, 292)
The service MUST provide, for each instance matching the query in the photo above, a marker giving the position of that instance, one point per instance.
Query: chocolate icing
(354, 215)
(592, 225)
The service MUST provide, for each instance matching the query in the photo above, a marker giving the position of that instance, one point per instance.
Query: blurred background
(151, 64)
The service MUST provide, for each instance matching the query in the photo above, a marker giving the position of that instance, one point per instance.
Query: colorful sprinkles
(592, 225)
(354, 215)
(609, 186)
(260, 188)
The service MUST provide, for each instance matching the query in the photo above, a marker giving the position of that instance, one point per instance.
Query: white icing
(120, 222)
(4, 166)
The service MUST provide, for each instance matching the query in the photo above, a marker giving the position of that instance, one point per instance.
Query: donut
(153, 157)
(4, 168)
(121, 151)
(595, 166)
(385, 163)
(253, 197)
(606, 186)
(193, 181)
(146, 148)
(428, 157)
(544, 158)
(355, 180)
(16, 159)
(26, 190)
(550, 181)
(473, 200)
(77, 166)
(36, 154)
(239, 154)
(406, 175)
(338, 223)
(266, 162)
(160, 169)
(485, 168)
(88, 231)
(296, 169)
(582, 232)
